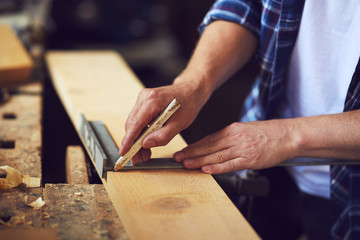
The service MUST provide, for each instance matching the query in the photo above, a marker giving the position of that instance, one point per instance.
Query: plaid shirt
(276, 25)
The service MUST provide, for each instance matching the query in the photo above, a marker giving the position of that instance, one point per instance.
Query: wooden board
(76, 171)
(15, 62)
(81, 211)
(164, 204)
(20, 129)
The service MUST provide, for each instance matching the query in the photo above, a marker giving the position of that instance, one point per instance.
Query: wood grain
(76, 171)
(163, 204)
(15, 62)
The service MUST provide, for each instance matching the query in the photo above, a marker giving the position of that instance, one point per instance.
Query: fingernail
(206, 169)
(178, 156)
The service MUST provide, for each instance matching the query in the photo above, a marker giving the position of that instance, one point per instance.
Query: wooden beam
(15, 62)
(76, 171)
(163, 204)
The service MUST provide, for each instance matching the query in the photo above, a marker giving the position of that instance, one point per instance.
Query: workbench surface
(71, 211)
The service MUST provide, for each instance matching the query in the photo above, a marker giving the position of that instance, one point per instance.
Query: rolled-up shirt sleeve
(244, 12)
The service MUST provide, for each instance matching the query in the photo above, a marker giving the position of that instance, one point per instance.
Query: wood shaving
(31, 182)
(39, 203)
(13, 178)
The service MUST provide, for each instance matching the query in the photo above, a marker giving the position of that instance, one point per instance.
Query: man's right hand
(150, 103)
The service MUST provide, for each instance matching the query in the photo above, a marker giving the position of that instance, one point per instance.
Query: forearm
(223, 49)
(264, 144)
(327, 136)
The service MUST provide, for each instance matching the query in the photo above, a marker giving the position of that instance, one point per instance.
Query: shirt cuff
(244, 12)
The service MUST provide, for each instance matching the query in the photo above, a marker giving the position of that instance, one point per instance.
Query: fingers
(136, 158)
(137, 106)
(225, 167)
(162, 136)
(208, 145)
(143, 155)
(143, 112)
(213, 158)
(217, 153)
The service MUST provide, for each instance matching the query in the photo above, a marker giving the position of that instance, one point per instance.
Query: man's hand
(150, 103)
(253, 145)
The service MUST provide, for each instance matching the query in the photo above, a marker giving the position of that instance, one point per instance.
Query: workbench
(76, 210)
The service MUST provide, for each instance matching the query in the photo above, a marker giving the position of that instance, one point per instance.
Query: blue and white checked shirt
(276, 25)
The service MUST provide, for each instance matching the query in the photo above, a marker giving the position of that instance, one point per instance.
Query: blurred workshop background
(156, 38)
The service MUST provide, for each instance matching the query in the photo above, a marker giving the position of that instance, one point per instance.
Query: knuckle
(130, 123)
(220, 157)
(210, 143)
(152, 94)
(189, 153)
(144, 92)
(234, 165)
(232, 127)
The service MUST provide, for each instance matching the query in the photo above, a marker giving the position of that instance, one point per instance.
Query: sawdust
(79, 194)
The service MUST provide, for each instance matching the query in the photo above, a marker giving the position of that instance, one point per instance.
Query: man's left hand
(252, 145)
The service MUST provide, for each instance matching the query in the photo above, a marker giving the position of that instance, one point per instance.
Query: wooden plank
(164, 204)
(91, 83)
(76, 171)
(15, 62)
(175, 204)
(20, 130)
(81, 211)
